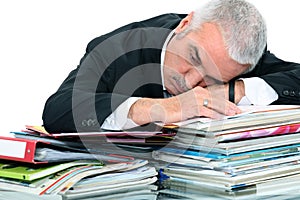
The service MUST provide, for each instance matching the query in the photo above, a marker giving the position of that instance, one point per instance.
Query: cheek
(228, 76)
(182, 65)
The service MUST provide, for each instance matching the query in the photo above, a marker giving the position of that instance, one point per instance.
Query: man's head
(216, 43)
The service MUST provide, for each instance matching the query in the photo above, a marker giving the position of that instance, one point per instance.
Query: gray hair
(242, 26)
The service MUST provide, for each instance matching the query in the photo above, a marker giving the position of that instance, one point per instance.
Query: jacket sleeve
(282, 76)
(116, 66)
(124, 65)
(78, 105)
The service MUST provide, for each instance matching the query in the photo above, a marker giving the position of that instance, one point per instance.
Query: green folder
(18, 171)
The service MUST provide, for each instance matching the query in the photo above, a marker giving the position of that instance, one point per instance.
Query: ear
(184, 23)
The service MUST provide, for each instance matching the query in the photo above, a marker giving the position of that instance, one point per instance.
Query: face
(199, 58)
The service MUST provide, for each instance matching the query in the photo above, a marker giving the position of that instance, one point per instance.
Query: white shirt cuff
(257, 92)
(118, 119)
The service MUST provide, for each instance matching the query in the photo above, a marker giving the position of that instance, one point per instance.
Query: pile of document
(37, 166)
(134, 143)
(252, 156)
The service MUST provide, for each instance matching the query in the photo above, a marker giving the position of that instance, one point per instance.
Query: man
(207, 61)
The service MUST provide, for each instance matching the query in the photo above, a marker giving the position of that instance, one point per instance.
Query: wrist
(147, 110)
(231, 91)
(138, 111)
(239, 90)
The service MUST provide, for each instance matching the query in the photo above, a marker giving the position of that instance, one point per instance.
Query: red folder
(19, 149)
(23, 148)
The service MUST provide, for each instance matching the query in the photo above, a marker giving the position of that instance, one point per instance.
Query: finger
(218, 104)
(210, 113)
(221, 106)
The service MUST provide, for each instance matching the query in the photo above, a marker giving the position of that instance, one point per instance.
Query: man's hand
(184, 106)
(222, 91)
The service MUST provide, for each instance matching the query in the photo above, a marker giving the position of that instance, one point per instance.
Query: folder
(30, 149)
(24, 172)
(40, 131)
(19, 149)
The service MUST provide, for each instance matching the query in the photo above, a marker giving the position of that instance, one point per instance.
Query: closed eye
(194, 56)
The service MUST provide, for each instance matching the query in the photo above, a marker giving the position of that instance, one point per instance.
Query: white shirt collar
(162, 57)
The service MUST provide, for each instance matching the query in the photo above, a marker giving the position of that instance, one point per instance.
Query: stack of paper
(134, 143)
(64, 168)
(253, 155)
(80, 179)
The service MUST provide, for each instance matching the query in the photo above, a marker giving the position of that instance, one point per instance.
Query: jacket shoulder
(168, 21)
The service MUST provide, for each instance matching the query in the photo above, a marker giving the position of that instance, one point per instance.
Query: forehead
(210, 40)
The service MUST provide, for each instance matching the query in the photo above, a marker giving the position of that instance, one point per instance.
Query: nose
(193, 78)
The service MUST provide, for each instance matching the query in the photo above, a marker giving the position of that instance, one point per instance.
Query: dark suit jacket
(125, 63)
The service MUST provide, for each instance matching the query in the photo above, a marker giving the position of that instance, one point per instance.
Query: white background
(42, 41)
